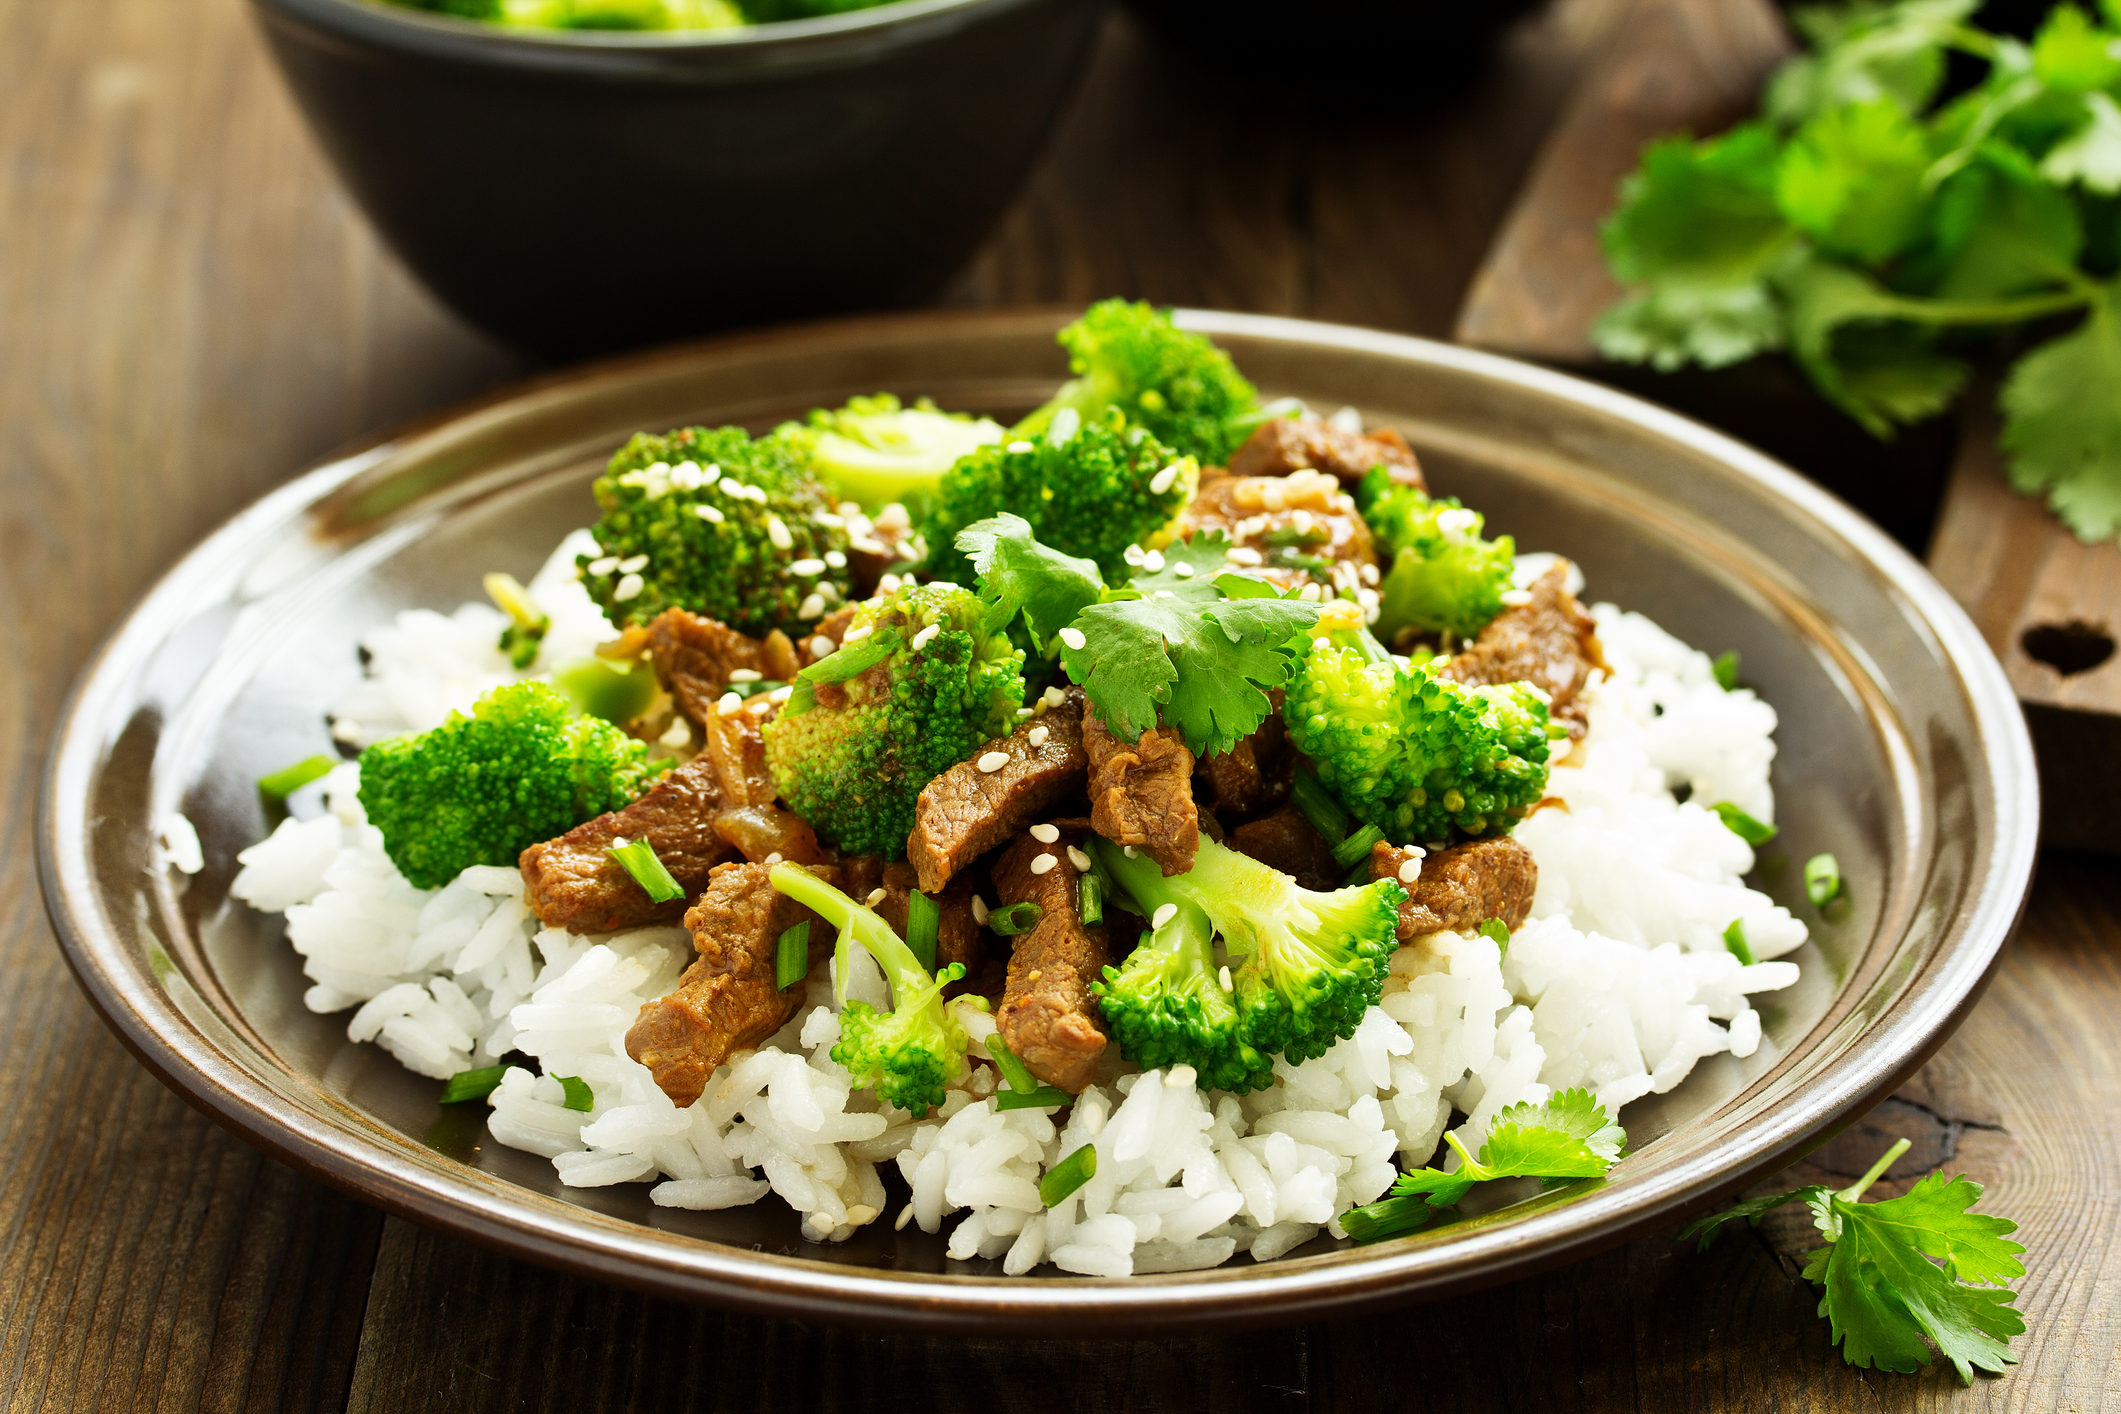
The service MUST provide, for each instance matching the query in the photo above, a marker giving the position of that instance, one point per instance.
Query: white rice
(1620, 982)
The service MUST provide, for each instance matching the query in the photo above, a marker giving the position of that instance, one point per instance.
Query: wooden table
(189, 310)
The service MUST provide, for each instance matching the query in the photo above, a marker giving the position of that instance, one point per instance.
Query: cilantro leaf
(1881, 1291)
(1878, 373)
(2003, 229)
(1190, 647)
(2062, 421)
(1703, 1232)
(1853, 179)
(1865, 52)
(1018, 575)
(2072, 54)
(2091, 155)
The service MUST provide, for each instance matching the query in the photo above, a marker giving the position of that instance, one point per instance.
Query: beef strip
(881, 550)
(965, 811)
(1286, 526)
(1245, 780)
(574, 883)
(1282, 446)
(1548, 641)
(1047, 1016)
(693, 658)
(727, 1000)
(1142, 795)
(1287, 841)
(1462, 887)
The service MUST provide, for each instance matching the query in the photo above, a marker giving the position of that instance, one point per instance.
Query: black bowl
(575, 192)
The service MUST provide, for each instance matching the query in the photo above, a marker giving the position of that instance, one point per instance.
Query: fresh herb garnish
(638, 858)
(1898, 1271)
(923, 921)
(1068, 1175)
(1735, 944)
(1822, 879)
(1498, 931)
(1356, 848)
(289, 779)
(472, 1084)
(1725, 669)
(1754, 832)
(791, 956)
(1024, 1092)
(579, 1097)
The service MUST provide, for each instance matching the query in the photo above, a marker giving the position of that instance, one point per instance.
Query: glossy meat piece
(727, 1000)
(694, 656)
(1289, 530)
(574, 883)
(1247, 778)
(965, 811)
(759, 832)
(1047, 1016)
(1282, 446)
(1548, 641)
(1463, 886)
(736, 743)
(1287, 841)
(1142, 795)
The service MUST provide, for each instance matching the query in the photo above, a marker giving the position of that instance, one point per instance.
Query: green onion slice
(922, 921)
(1822, 879)
(1498, 930)
(1068, 1175)
(1016, 918)
(1357, 846)
(472, 1084)
(579, 1096)
(289, 779)
(1752, 831)
(791, 956)
(1726, 670)
(1734, 939)
(1387, 1218)
(1317, 805)
(1045, 1097)
(1013, 1070)
(1090, 901)
(638, 856)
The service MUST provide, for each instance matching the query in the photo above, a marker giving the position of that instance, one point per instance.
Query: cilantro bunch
(1895, 1273)
(1567, 1137)
(1886, 237)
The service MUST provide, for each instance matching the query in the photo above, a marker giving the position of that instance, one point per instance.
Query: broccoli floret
(874, 451)
(910, 1054)
(895, 707)
(1165, 1004)
(1414, 753)
(1313, 964)
(1132, 358)
(1089, 488)
(1444, 577)
(709, 520)
(523, 767)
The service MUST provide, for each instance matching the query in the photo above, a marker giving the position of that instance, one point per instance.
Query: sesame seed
(773, 858)
(1093, 1119)
(1045, 834)
(1273, 497)
(1073, 637)
(1183, 571)
(907, 550)
(712, 474)
(687, 476)
(858, 631)
(679, 735)
(876, 896)
(979, 910)
(1410, 871)
(905, 1215)
(605, 565)
(1054, 697)
(1311, 594)
(1301, 522)
(894, 517)
(926, 636)
(708, 513)
(1516, 598)
(1164, 913)
(1180, 1077)
(821, 646)
(1022, 712)
(745, 675)
(1370, 575)
(1165, 594)
(850, 509)
(1130, 851)
(993, 761)
(1132, 554)
(1366, 597)
(1245, 555)
(634, 565)
(807, 567)
(813, 606)
(729, 705)
(1019, 448)
(1224, 978)
(630, 586)
(1037, 735)
(1080, 860)
(1044, 864)
(830, 522)
(1161, 482)
(780, 694)
(777, 532)
(1153, 562)
(1321, 643)
(868, 545)
(1372, 614)
(838, 561)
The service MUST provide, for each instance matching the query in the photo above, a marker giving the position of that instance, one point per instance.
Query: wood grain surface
(189, 310)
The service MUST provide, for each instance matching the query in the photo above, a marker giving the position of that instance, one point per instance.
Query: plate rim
(548, 1231)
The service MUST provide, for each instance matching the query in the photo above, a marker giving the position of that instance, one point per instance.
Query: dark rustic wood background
(190, 310)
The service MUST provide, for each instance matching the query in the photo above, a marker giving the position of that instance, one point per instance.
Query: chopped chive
(638, 856)
(923, 919)
(791, 956)
(1016, 918)
(1734, 939)
(1726, 670)
(1068, 1175)
(472, 1084)
(1013, 1070)
(579, 1096)
(1045, 1097)
(1498, 930)
(1752, 831)
(1090, 901)
(289, 779)
(1318, 806)
(1357, 846)
(1822, 879)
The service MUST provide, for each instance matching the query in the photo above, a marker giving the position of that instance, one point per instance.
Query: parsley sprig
(1883, 236)
(1896, 1273)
